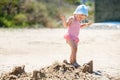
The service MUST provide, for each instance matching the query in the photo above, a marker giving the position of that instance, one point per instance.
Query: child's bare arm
(86, 24)
(62, 17)
(67, 22)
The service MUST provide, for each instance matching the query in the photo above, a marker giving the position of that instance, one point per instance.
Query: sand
(37, 48)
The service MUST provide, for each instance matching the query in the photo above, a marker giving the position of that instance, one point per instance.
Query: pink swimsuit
(73, 31)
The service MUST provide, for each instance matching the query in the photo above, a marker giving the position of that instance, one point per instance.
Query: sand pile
(57, 71)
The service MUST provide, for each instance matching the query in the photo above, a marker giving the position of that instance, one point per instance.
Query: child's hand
(86, 24)
(62, 17)
(89, 23)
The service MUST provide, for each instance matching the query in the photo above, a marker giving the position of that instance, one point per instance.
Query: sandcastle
(56, 71)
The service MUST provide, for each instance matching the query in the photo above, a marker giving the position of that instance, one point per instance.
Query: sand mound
(57, 71)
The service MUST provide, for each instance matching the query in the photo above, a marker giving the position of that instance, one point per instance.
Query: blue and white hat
(82, 9)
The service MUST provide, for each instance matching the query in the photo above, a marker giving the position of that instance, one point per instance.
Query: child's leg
(73, 46)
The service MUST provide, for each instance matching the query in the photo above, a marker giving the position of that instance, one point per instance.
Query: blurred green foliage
(20, 19)
(27, 13)
(73, 1)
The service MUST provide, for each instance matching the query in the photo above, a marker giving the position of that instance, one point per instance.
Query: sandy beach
(38, 48)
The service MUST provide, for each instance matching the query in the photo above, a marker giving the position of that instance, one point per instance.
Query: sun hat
(81, 9)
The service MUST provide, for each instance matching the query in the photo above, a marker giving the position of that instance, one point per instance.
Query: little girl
(73, 24)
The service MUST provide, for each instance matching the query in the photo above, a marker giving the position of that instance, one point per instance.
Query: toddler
(73, 24)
